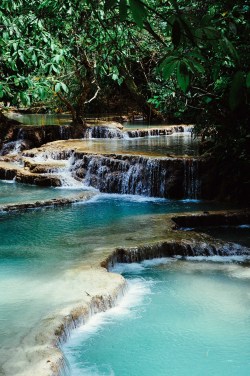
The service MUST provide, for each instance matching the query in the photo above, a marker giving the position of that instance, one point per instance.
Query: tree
(30, 55)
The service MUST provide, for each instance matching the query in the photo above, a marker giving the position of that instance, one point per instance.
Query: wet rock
(26, 177)
(174, 248)
(126, 174)
(46, 203)
(222, 218)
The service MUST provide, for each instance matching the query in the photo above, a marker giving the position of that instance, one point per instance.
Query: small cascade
(65, 175)
(137, 175)
(67, 181)
(47, 155)
(149, 132)
(113, 132)
(154, 132)
(64, 132)
(54, 163)
(124, 174)
(103, 132)
(192, 186)
(10, 147)
(188, 128)
(185, 249)
(14, 147)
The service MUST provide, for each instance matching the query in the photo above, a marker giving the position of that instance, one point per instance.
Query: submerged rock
(18, 207)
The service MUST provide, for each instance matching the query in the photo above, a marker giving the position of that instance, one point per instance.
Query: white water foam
(190, 200)
(137, 267)
(9, 181)
(219, 259)
(68, 182)
(137, 290)
(124, 197)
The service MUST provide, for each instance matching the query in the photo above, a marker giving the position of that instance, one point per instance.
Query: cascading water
(157, 177)
(113, 132)
(14, 147)
(103, 132)
(114, 173)
(127, 174)
(192, 185)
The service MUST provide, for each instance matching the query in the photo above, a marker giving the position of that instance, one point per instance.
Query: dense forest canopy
(175, 59)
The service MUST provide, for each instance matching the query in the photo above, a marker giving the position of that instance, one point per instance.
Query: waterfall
(137, 175)
(14, 147)
(149, 132)
(176, 178)
(65, 132)
(103, 132)
(191, 182)
(113, 132)
(185, 248)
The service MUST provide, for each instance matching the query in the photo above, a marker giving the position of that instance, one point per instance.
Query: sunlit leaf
(57, 87)
(64, 87)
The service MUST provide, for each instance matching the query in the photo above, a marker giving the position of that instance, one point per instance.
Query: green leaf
(248, 80)
(168, 68)
(197, 56)
(183, 77)
(138, 11)
(53, 68)
(196, 65)
(228, 48)
(236, 90)
(123, 9)
(207, 99)
(211, 33)
(114, 77)
(64, 87)
(21, 56)
(168, 60)
(1, 91)
(41, 93)
(25, 99)
(176, 33)
(57, 87)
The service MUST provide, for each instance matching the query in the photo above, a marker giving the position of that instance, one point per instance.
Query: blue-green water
(178, 319)
(41, 119)
(238, 234)
(177, 144)
(40, 247)
(11, 192)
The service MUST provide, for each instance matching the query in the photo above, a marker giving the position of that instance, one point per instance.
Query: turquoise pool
(178, 318)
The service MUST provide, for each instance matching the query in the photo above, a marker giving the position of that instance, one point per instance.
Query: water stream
(39, 247)
(42, 253)
(178, 318)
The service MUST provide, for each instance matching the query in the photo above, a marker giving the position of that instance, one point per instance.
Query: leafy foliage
(186, 60)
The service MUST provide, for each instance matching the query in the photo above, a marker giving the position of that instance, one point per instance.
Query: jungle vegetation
(176, 60)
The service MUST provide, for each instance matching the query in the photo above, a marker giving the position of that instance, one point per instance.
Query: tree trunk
(150, 112)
